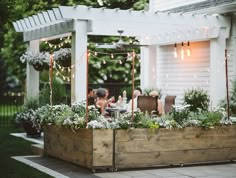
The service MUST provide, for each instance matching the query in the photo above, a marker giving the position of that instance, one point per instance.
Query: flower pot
(31, 131)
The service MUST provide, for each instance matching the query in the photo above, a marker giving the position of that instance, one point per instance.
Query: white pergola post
(79, 71)
(32, 76)
(217, 69)
(148, 67)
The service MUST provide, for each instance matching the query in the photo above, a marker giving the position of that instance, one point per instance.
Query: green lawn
(13, 146)
(9, 110)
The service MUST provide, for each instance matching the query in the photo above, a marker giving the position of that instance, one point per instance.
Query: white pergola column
(79, 71)
(32, 76)
(148, 67)
(217, 69)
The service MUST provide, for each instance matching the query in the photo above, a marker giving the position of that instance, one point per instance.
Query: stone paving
(61, 169)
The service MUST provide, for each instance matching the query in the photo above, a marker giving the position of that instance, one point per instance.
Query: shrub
(198, 99)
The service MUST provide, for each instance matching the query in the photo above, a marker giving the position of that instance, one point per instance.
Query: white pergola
(151, 28)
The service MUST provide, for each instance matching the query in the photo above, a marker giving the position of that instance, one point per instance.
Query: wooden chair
(169, 102)
(148, 103)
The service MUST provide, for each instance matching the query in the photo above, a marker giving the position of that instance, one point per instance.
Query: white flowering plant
(39, 60)
(28, 116)
(63, 57)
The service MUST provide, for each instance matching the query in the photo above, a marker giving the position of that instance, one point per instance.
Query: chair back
(169, 102)
(148, 103)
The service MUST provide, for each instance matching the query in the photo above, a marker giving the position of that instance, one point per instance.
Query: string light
(59, 45)
(112, 55)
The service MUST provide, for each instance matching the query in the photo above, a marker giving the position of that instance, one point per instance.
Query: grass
(9, 110)
(13, 146)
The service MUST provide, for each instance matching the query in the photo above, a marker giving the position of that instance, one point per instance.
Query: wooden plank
(102, 147)
(78, 147)
(71, 146)
(134, 160)
(173, 144)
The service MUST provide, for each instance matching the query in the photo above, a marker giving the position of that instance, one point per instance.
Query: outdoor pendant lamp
(175, 51)
(188, 51)
(182, 51)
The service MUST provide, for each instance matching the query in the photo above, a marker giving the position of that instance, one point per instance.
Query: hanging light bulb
(188, 50)
(175, 51)
(104, 62)
(182, 51)
(112, 55)
(95, 53)
(120, 61)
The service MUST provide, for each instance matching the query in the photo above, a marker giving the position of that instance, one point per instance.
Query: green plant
(198, 99)
(59, 94)
(28, 116)
(180, 114)
(209, 119)
(31, 103)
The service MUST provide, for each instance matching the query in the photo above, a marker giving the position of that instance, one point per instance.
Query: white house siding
(162, 5)
(231, 47)
(175, 76)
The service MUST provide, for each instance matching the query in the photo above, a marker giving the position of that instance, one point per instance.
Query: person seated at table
(101, 102)
(109, 100)
(159, 103)
(91, 97)
(135, 94)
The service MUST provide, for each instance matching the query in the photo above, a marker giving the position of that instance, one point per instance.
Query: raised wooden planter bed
(135, 148)
(91, 148)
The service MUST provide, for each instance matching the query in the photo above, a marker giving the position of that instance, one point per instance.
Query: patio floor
(61, 169)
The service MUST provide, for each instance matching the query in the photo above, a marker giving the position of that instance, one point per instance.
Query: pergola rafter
(146, 25)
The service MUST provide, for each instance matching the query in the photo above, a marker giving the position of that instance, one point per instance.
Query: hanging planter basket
(65, 62)
(63, 57)
(39, 67)
(39, 61)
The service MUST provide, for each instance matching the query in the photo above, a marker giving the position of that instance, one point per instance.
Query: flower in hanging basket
(63, 57)
(39, 61)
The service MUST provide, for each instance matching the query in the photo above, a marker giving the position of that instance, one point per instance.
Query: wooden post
(50, 77)
(133, 57)
(227, 84)
(87, 70)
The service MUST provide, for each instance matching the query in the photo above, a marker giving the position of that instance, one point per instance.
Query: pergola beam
(142, 24)
(96, 14)
(49, 31)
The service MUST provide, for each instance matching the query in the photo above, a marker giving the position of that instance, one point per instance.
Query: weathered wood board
(136, 148)
(151, 147)
(86, 147)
